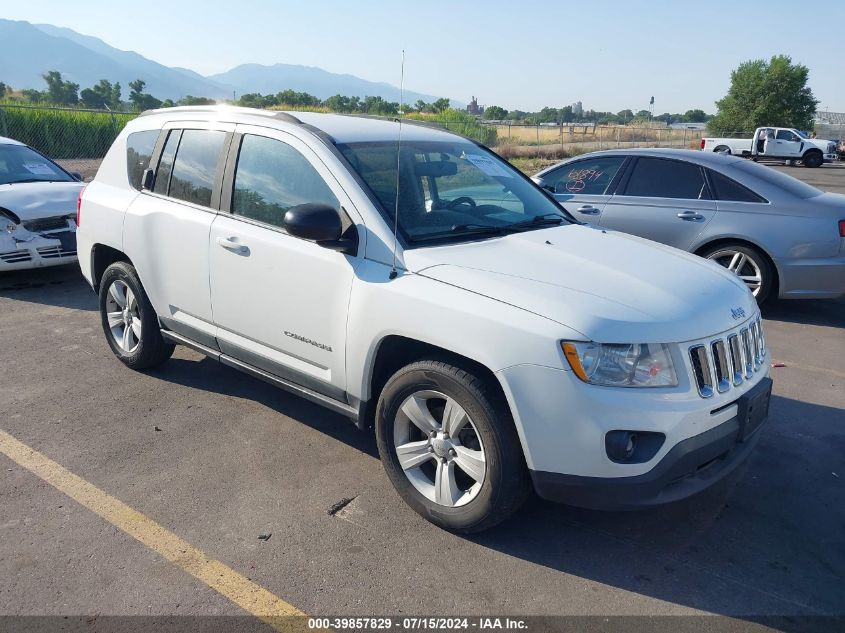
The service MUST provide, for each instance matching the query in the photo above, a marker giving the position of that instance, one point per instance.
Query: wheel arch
(721, 241)
(394, 351)
(102, 257)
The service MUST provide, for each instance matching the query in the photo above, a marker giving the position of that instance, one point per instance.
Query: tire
(723, 149)
(139, 345)
(813, 159)
(426, 388)
(746, 259)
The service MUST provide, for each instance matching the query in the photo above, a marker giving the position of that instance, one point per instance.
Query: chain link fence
(77, 138)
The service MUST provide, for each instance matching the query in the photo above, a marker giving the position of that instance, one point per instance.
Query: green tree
(59, 91)
(2, 90)
(421, 106)
(440, 105)
(33, 96)
(765, 93)
(625, 115)
(140, 99)
(694, 116)
(190, 100)
(495, 112)
(643, 115)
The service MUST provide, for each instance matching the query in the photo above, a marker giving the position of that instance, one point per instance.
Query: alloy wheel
(439, 448)
(742, 265)
(124, 317)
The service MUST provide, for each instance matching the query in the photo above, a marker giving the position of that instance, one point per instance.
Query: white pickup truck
(776, 143)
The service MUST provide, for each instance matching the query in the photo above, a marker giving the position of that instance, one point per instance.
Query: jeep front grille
(725, 363)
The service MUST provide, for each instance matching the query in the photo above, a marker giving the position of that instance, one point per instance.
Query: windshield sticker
(39, 169)
(488, 166)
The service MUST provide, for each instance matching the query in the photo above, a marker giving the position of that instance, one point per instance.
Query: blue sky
(610, 55)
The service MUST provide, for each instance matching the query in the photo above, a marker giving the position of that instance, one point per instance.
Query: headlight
(615, 365)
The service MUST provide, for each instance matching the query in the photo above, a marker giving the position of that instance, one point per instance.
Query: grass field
(603, 136)
(62, 133)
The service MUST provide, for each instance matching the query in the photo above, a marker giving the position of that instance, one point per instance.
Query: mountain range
(27, 51)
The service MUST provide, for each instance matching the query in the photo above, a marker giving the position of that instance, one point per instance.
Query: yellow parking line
(237, 588)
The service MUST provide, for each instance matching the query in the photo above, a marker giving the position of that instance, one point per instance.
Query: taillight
(702, 143)
(79, 207)
(841, 228)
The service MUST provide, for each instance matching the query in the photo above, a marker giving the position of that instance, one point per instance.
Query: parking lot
(215, 458)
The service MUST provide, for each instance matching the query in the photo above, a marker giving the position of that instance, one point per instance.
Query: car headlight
(621, 365)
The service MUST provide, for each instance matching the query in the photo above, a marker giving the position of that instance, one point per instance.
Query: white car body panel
(505, 302)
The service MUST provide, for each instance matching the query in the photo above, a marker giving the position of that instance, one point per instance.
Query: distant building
(577, 109)
(475, 109)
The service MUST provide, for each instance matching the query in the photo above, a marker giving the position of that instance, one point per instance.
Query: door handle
(587, 209)
(230, 244)
(690, 215)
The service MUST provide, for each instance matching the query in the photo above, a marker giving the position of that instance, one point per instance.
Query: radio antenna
(393, 272)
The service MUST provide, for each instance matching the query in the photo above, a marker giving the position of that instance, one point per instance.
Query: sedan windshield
(451, 190)
(19, 163)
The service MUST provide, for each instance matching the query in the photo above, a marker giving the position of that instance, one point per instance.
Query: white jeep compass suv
(423, 286)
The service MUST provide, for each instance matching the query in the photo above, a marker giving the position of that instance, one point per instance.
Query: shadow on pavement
(825, 312)
(767, 541)
(61, 286)
(209, 375)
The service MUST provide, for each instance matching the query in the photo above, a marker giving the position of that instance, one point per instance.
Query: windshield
(801, 134)
(19, 163)
(450, 190)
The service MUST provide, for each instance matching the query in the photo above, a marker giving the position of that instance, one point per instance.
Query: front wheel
(813, 159)
(747, 263)
(450, 447)
(129, 320)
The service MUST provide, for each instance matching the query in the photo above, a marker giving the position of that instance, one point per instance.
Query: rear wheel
(723, 149)
(747, 263)
(813, 158)
(449, 446)
(129, 321)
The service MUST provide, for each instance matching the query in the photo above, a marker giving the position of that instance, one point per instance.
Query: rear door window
(139, 151)
(165, 163)
(662, 178)
(195, 166)
(729, 190)
(585, 177)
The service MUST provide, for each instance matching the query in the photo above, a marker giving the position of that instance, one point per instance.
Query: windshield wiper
(15, 182)
(538, 220)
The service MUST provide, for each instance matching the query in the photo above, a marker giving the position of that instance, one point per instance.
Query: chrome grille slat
(725, 363)
(747, 356)
(721, 365)
(700, 360)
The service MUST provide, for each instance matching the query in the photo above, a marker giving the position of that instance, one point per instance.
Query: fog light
(632, 447)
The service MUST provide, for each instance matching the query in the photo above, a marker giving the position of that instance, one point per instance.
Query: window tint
(139, 151)
(773, 177)
(165, 163)
(19, 163)
(586, 177)
(271, 177)
(196, 162)
(786, 135)
(727, 189)
(659, 178)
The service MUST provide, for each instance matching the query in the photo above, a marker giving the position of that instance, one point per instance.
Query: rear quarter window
(139, 152)
(729, 190)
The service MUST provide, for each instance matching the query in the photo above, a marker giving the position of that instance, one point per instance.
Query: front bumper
(41, 250)
(688, 468)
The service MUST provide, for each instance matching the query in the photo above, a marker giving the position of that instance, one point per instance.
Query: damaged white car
(37, 209)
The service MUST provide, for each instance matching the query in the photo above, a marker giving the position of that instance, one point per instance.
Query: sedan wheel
(439, 448)
(746, 263)
(123, 316)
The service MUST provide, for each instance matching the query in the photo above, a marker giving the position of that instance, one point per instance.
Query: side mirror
(77, 176)
(148, 179)
(320, 223)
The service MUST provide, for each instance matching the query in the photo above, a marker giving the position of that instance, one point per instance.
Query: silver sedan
(782, 236)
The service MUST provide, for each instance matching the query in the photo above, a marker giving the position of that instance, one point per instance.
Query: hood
(611, 287)
(34, 200)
